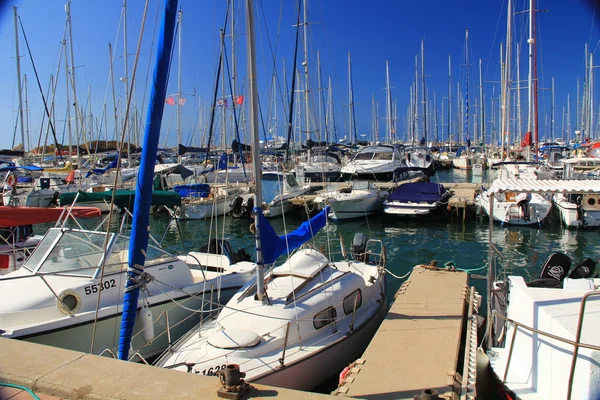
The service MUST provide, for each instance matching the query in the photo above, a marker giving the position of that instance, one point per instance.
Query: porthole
(324, 318)
(591, 201)
(349, 301)
(69, 302)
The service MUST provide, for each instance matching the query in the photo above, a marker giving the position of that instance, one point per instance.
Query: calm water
(409, 241)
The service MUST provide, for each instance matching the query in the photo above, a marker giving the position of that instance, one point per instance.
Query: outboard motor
(359, 245)
(236, 207)
(249, 207)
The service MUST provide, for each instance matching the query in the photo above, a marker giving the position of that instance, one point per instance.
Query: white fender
(147, 324)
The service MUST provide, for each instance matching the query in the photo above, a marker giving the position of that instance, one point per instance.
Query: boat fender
(147, 324)
(343, 375)
(11, 180)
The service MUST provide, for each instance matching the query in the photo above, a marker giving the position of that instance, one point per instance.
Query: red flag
(170, 101)
(526, 140)
(238, 99)
(71, 177)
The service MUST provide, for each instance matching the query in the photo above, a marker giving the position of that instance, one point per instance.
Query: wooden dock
(417, 346)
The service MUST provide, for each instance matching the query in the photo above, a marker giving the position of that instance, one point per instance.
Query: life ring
(11, 180)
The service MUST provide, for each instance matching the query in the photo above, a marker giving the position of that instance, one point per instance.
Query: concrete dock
(417, 346)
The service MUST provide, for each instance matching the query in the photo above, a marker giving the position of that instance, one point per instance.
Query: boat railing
(379, 254)
(575, 343)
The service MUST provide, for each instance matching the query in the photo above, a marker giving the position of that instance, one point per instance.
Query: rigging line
(501, 13)
(217, 79)
(112, 200)
(39, 86)
(292, 92)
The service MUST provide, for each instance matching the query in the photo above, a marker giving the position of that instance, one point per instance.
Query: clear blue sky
(372, 31)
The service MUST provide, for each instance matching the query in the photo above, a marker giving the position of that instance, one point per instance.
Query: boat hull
(354, 207)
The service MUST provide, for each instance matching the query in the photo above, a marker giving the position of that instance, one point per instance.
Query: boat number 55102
(90, 289)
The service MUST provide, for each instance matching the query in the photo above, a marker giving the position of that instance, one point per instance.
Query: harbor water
(444, 237)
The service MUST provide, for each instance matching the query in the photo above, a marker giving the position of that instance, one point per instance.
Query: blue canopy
(193, 190)
(273, 245)
(11, 167)
(417, 192)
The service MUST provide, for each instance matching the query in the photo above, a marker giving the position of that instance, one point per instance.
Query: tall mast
(423, 96)
(533, 61)
(519, 119)
(507, 80)
(178, 104)
(449, 97)
(467, 137)
(73, 80)
(568, 116)
(19, 88)
(591, 96)
(253, 106)
(416, 106)
(112, 82)
(331, 109)
(388, 101)
(552, 114)
(481, 106)
(305, 64)
(26, 146)
(319, 88)
(67, 80)
(126, 55)
(350, 125)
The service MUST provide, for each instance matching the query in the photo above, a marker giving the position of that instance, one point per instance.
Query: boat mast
(19, 88)
(253, 107)
(350, 126)
(505, 122)
(416, 105)
(73, 80)
(69, 102)
(178, 104)
(466, 116)
(388, 103)
(552, 113)
(423, 93)
(305, 65)
(449, 98)
(319, 91)
(481, 106)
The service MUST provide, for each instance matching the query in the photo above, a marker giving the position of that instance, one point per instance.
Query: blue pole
(143, 192)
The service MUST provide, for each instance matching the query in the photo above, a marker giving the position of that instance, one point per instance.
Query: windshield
(76, 252)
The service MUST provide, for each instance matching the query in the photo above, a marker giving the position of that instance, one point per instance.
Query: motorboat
(278, 189)
(359, 199)
(515, 207)
(536, 324)
(69, 292)
(381, 163)
(17, 239)
(320, 166)
(416, 198)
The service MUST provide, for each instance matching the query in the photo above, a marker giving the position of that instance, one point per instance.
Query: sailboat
(302, 321)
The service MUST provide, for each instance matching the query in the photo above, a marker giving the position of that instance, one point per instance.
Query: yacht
(381, 163)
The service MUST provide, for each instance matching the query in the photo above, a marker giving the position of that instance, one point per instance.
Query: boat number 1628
(100, 286)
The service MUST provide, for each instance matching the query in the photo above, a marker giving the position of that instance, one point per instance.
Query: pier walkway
(418, 344)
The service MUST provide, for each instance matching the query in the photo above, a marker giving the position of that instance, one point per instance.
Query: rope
(22, 388)
(399, 277)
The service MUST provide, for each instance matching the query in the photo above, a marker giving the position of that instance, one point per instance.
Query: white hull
(204, 209)
(574, 217)
(508, 212)
(354, 205)
(397, 208)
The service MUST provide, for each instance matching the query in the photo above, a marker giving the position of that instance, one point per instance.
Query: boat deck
(418, 344)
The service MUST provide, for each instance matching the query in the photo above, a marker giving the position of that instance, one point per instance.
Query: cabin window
(349, 301)
(591, 201)
(324, 318)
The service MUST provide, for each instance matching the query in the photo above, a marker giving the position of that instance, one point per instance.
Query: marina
(240, 247)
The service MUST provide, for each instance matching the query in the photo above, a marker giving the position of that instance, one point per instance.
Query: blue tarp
(418, 192)
(193, 190)
(102, 171)
(11, 167)
(273, 245)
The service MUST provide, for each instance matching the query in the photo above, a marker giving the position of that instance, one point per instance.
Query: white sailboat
(515, 207)
(302, 322)
(278, 189)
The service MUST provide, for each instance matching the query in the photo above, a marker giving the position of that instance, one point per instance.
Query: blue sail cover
(138, 243)
(418, 192)
(102, 171)
(193, 190)
(274, 245)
